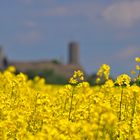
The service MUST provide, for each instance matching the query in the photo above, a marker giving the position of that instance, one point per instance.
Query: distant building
(3, 59)
(65, 70)
(73, 53)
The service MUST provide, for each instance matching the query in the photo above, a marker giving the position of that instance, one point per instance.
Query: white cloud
(75, 9)
(124, 13)
(30, 37)
(26, 1)
(30, 24)
(29, 2)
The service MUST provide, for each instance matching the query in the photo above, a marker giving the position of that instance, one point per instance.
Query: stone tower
(3, 59)
(73, 53)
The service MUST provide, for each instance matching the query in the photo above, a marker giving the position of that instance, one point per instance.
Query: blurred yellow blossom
(137, 59)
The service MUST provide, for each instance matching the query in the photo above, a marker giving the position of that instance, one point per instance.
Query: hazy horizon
(108, 32)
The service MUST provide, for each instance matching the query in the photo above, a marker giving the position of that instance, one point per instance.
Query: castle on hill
(58, 68)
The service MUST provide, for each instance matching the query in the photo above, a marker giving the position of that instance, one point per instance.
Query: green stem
(139, 74)
(133, 112)
(72, 94)
(75, 108)
(120, 118)
(137, 81)
(97, 131)
(65, 105)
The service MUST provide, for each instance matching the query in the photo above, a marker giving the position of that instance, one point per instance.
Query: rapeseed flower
(137, 59)
(123, 79)
(33, 110)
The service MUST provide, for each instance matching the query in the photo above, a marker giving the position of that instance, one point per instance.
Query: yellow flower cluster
(137, 59)
(34, 110)
(123, 79)
(103, 72)
(77, 77)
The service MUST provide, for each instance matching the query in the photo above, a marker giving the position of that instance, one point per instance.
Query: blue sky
(107, 31)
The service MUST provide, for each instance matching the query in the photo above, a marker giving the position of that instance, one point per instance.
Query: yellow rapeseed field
(34, 110)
